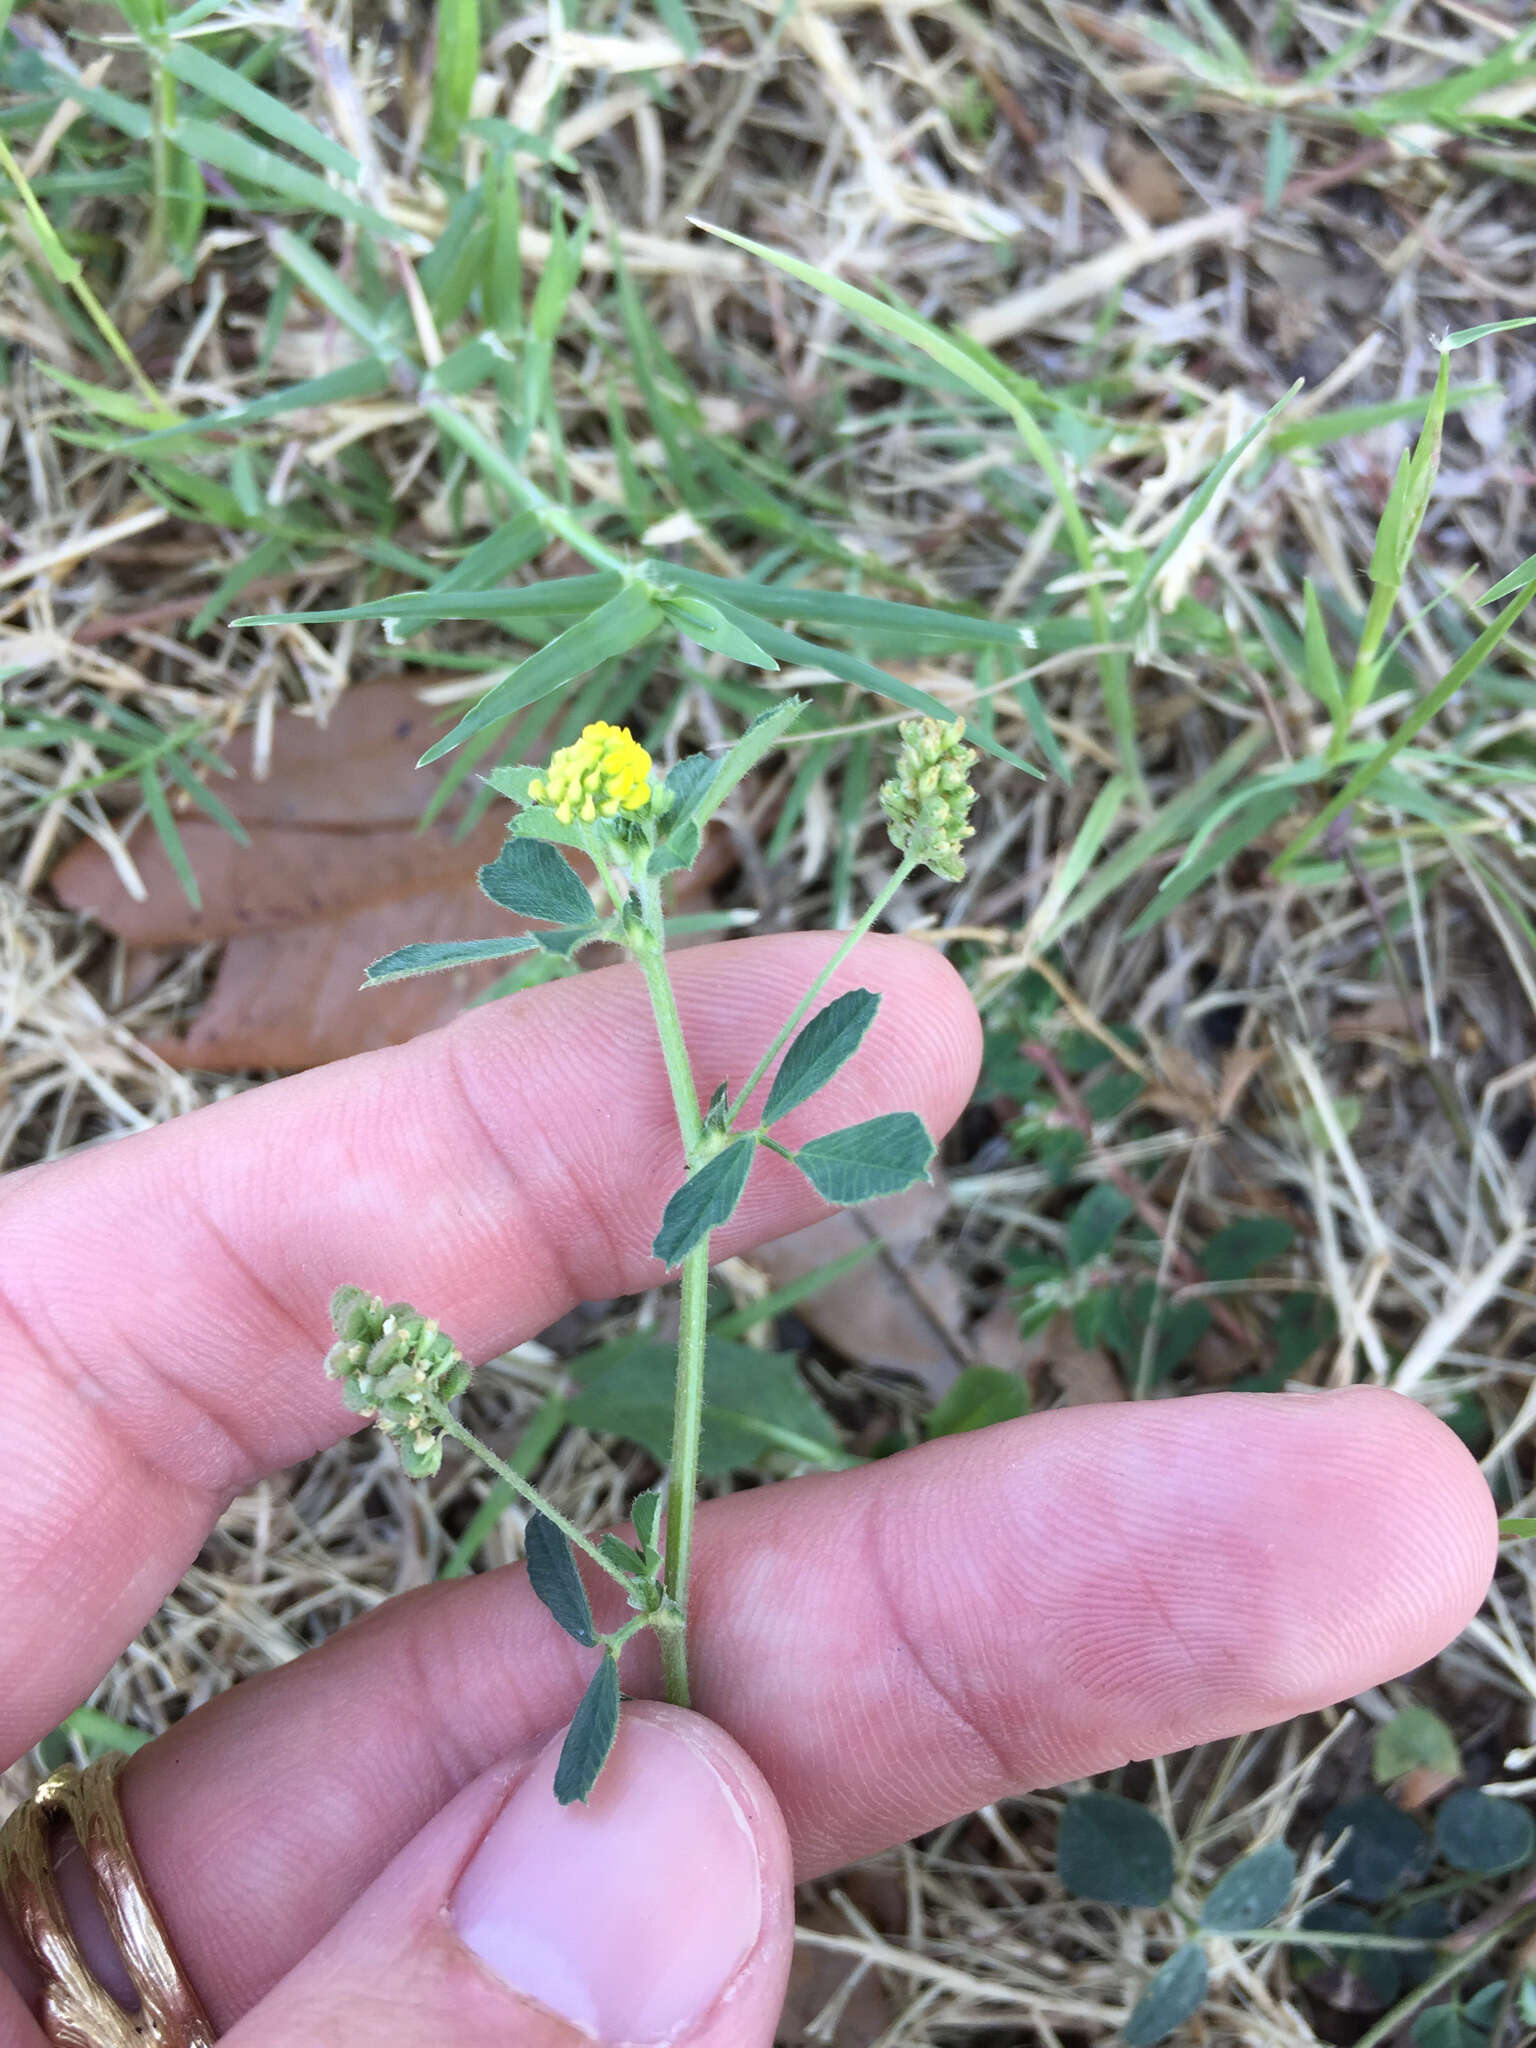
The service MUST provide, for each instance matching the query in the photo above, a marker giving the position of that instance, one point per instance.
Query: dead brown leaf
(903, 1310)
(1419, 1788)
(1148, 180)
(1083, 1376)
(1237, 1074)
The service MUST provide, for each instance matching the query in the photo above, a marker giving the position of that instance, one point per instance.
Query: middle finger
(893, 1646)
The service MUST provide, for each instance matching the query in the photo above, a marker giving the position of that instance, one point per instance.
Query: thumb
(660, 1912)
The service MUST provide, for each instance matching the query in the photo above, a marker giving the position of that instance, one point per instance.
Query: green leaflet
(826, 1043)
(704, 1202)
(866, 1160)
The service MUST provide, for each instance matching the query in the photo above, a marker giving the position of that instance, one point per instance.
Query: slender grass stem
(70, 274)
(1362, 677)
(162, 114)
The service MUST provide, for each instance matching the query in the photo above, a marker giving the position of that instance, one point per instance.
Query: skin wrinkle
(546, 1227)
(890, 1581)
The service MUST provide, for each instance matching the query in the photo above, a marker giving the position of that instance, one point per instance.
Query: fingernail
(628, 1916)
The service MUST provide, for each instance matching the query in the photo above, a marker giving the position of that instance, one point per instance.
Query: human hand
(361, 1847)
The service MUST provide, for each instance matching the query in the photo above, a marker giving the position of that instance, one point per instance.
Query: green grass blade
(326, 288)
(789, 647)
(502, 291)
(1168, 827)
(264, 559)
(457, 63)
(614, 628)
(979, 370)
(907, 624)
(165, 826)
(1347, 421)
(273, 175)
(679, 24)
(1467, 335)
(212, 806)
(1198, 503)
(279, 123)
(508, 548)
(1260, 808)
(561, 597)
(336, 387)
(1517, 579)
(1414, 723)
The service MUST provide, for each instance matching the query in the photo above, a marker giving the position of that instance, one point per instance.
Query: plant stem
(683, 1482)
(791, 1023)
(688, 1398)
(536, 1439)
(669, 1026)
(450, 1425)
(1362, 679)
(162, 118)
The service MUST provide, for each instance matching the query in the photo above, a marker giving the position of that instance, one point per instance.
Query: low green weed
(1412, 1916)
(715, 1405)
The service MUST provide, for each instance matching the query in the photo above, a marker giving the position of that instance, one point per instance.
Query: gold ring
(77, 2009)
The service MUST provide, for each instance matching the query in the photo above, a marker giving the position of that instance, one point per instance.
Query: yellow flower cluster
(604, 772)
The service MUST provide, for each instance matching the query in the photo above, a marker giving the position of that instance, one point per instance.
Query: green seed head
(929, 796)
(392, 1364)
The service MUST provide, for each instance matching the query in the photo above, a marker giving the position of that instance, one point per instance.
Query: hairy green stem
(450, 1425)
(537, 1438)
(688, 1399)
(683, 1481)
(791, 1024)
(669, 1026)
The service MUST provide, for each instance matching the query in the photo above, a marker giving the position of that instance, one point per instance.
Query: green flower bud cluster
(929, 796)
(392, 1364)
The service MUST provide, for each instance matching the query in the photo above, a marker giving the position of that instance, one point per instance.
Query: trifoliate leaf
(622, 1554)
(880, 1157)
(1238, 1251)
(1386, 1851)
(1094, 1221)
(830, 1039)
(645, 1513)
(1414, 1740)
(1474, 1831)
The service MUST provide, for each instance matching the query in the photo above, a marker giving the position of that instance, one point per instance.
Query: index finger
(163, 1300)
